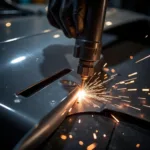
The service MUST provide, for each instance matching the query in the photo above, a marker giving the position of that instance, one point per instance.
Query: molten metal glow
(130, 82)
(96, 131)
(81, 94)
(70, 136)
(94, 136)
(132, 74)
(105, 65)
(104, 135)
(132, 89)
(63, 137)
(91, 146)
(115, 118)
(145, 90)
(131, 57)
(137, 145)
(81, 143)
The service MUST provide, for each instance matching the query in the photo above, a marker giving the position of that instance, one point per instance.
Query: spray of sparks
(95, 90)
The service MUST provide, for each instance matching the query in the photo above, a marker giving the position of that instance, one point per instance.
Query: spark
(131, 57)
(113, 70)
(142, 59)
(70, 109)
(63, 113)
(123, 96)
(95, 90)
(137, 145)
(142, 115)
(119, 89)
(130, 82)
(105, 77)
(81, 143)
(117, 105)
(94, 136)
(126, 80)
(148, 106)
(141, 98)
(79, 121)
(63, 137)
(114, 75)
(146, 36)
(115, 118)
(122, 82)
(91, 146)
(96, 131)
(145, 90)
(104, 135)
(105, 65)
(126, 101)
(134, 107)
(132, 90)
(70, 136)
(132, 74)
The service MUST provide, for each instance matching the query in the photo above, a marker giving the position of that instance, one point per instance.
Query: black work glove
(68, 15)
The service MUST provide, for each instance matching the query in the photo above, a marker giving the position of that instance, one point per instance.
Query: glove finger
(79, 13)
(50, 16)
(66, 17)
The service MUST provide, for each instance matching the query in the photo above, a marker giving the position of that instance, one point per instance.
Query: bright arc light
(81, 94)
(17, 60)
(56, 36)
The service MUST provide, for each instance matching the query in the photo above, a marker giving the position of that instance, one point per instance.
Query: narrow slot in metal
(40, 85)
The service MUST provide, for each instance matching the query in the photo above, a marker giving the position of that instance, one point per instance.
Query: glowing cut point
(17, 60)
(81, 94)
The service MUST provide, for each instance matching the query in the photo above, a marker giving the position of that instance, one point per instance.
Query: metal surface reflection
(6, 107)
(56, 36)
(17, 60)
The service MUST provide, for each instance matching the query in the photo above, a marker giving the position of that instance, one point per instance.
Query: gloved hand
(68, 15)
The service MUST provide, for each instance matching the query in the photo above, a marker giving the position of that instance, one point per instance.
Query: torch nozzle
(83, 79)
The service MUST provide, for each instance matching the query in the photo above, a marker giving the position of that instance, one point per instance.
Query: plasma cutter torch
(88, 45)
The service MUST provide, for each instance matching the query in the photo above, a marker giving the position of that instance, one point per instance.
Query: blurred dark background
(141, 6)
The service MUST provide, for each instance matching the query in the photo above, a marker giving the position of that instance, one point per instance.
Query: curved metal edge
(48, 124)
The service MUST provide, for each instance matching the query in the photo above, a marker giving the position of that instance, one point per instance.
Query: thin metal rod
(48, 124)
